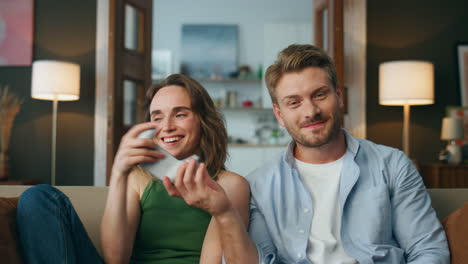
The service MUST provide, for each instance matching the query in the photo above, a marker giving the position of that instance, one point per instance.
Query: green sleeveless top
(170, 231)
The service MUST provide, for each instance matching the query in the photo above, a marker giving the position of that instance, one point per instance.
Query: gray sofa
(89, 203)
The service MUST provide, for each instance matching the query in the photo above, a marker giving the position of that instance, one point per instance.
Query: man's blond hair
(296, 58)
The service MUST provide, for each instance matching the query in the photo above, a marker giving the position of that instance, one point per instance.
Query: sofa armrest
(88, 201)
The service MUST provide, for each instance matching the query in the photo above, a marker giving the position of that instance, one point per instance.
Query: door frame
(114, 64)
(346, 44)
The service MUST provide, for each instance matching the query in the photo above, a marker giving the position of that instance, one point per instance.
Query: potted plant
(9, 108)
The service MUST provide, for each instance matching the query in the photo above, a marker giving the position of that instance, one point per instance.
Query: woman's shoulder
(138, 179)
(237, 189)
(232, 180)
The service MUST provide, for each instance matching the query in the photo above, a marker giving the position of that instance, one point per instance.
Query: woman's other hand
(194, 184)
(133, 150)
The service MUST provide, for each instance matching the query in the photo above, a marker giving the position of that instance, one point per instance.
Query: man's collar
(289, 157)
(352, 144)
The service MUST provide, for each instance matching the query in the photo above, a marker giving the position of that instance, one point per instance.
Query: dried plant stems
(9, 107)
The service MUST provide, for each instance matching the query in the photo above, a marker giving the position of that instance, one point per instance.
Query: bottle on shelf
(231, 99)
(260, 71)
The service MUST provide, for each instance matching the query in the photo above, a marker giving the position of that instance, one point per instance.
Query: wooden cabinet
(19, 182)
(437, 175)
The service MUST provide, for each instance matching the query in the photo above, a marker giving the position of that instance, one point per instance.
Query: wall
(420, 30)
(63, 30)
(169, 15)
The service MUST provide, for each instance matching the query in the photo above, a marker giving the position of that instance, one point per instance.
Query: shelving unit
(241, 121)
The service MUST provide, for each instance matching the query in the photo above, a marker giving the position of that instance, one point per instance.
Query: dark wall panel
(419, 30)
(63, 30)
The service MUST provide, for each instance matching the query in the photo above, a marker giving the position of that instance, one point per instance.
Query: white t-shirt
(323, 181)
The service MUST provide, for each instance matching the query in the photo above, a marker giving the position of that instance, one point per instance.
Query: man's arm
(415, 224)
(261, 236)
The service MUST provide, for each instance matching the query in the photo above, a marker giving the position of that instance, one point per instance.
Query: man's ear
(339, 94)
(277, 112)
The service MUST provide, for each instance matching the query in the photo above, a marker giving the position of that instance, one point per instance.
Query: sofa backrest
(89, 203)
(445, 201)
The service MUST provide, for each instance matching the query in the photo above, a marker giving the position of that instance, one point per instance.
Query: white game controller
(166, 166)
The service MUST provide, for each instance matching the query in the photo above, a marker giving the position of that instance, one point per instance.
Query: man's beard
(302, 139)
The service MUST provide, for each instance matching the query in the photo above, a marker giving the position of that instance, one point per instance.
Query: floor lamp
(55, 81)
(406, 83)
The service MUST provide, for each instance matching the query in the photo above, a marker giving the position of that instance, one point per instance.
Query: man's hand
(197, 188)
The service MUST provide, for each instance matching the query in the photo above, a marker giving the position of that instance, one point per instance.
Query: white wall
(278, 36)
(249, 15)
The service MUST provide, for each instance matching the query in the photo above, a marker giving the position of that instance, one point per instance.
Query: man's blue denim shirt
(386, 212)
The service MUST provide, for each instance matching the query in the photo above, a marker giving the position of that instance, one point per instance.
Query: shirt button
(299, 255)
(301, 231)
(306, 210)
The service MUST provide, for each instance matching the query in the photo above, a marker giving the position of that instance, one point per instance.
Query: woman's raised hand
(133, 150)
(194, 184)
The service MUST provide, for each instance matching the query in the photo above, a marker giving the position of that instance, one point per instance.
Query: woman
(141, 222)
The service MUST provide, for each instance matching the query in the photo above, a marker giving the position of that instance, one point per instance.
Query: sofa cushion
(9, 248)
(456, 227)
(88, 201)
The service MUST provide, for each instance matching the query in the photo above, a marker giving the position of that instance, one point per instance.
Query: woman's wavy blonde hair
(213, 137)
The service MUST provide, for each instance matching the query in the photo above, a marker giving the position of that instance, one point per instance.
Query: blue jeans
(49, 229)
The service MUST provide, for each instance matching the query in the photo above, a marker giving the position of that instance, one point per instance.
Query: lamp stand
(406, 128)
(54, 138)
(455, 152)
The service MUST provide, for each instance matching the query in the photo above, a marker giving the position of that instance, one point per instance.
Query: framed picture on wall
(16, 32)
(209, 50)
(462, 60)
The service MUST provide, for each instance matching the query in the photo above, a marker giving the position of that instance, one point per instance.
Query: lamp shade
(406, 83)
(55, 80)
(452, 128)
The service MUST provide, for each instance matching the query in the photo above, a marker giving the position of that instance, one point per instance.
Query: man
(328, 198)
